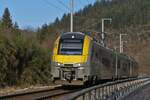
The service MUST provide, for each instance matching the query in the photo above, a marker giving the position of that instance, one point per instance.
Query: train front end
(70, 57)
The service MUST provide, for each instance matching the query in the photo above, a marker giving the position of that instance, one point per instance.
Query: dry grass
(17, 89)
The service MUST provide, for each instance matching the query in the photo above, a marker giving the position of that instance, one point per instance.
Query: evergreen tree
(57, 20)
(0, 24)
(42, 34)
(6, 19)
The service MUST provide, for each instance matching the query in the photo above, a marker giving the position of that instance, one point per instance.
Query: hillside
(131, 17)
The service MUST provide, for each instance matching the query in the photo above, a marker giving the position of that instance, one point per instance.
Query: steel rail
(55, 95)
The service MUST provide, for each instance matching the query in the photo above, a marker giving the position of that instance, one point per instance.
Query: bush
(23, 61)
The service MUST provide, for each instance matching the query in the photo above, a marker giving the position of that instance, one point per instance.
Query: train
(79, 59)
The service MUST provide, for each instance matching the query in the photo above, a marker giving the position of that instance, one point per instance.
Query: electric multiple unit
(78, 59)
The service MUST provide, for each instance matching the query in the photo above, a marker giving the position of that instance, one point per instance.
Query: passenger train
(78, 59)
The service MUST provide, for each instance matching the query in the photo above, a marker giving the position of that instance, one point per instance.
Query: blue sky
(35, 13)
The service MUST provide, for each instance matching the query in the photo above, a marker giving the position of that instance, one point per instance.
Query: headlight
(78, 65)
(58, 64)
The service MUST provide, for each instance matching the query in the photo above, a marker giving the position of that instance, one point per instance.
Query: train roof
(72, 35)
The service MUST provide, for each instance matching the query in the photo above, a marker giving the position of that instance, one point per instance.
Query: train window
(96, 55)
(119, 64)
(70, 47)
(129, 65)
(92, 52)
(105, 62)
(114, 63)
(124, 65)
(124, 69)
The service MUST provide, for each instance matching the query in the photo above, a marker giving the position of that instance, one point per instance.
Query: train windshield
(71, 47)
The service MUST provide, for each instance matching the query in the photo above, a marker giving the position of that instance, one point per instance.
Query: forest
(25, 55)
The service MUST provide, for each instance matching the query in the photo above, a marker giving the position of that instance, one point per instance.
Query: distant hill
(124, 13)
(128, 16)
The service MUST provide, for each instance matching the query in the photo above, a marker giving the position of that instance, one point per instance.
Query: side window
(124, 67)
(92, 54)
(114, 63)
(119, 64)
(129, 65)
(96, 55)
(105, 62)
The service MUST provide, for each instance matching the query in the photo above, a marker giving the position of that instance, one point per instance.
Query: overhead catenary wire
(52, 5)
(80, 2)
(62, 3)
(88, 1)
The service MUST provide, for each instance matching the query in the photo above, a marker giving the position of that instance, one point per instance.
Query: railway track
(44, 94)
(58, 94)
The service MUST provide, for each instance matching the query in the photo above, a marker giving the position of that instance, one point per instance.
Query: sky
(34, 13)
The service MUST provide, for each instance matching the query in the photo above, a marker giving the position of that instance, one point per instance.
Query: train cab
(70, 56)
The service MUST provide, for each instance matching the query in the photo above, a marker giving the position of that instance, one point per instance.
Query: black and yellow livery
(78, 58)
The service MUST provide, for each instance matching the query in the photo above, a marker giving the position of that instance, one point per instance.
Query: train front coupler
(69, 76)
